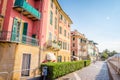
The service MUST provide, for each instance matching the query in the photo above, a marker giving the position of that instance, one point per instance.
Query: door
(26, 64)
(34, 42)
(24, 36)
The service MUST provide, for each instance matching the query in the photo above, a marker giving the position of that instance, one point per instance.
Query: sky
(99, 20)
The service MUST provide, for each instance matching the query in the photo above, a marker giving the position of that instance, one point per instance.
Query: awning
(51, 56)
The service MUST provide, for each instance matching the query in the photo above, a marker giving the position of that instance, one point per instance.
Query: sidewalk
(97, 71)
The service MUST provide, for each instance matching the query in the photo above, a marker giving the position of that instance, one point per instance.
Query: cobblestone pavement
(97, 71)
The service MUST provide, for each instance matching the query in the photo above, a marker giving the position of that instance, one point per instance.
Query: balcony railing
(8, 36)
(26, 9)
(53, 45)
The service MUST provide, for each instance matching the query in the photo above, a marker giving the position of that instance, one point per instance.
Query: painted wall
(11, 59)
(7, 57)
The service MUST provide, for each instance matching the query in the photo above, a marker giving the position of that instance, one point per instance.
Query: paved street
(97, 71)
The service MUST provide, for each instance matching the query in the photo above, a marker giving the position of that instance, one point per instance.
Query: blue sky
(99, 20)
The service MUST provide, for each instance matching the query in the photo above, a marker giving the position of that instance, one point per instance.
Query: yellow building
(57, 40)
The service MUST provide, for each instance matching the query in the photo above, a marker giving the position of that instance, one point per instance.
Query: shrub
(56, 70)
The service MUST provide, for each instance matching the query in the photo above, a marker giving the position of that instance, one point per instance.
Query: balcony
(26, 9)
(8, 36)
(53, 45)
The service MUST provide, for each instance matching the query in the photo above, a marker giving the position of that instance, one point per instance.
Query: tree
(106, 53)
(112, 53)
(104, 56)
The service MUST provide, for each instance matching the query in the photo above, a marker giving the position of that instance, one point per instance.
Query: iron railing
(14, 37)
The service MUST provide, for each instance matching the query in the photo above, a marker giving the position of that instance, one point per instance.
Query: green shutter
(24, 32)
(14, 29)
(25, 28)
(51, 17)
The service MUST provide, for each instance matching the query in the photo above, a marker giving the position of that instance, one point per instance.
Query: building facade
(78, 45)
(93, 50)
(19, 38)
(57, 38)
(29, 31)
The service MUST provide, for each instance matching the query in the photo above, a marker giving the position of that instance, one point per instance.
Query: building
(55, 33)
(19, 38)
(93, 50)
(78, 45)
(30, 30)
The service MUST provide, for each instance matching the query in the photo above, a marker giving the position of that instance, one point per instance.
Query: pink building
(20, 35)
(78, 45)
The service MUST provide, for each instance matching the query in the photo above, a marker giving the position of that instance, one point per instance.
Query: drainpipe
(40, 32)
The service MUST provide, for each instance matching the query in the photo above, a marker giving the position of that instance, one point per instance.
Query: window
(68, 35)
(73, 53)
(81, 40)
(51, 3)
(55, 23)
(68, 25)
(65, 33)
(26, 64)
(65, 46)
(60, 30)
(51, 17)
(65, 21)
(68, 46)
(56, 10)
(61, 44)
(73, 44)
(61, 17)
(59, 58)
(73, 38)
(50, 36)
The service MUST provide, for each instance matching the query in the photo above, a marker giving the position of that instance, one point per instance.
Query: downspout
(40, 31)
(40, 25)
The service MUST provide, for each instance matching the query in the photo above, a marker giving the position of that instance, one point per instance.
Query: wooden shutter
(25, 27)
(14, 29)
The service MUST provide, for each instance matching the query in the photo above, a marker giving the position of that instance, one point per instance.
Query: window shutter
(14, 29)
(24, 32)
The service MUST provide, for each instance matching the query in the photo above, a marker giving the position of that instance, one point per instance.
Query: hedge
(56, 70)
